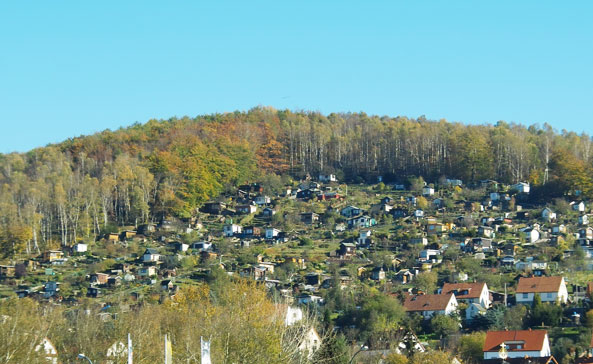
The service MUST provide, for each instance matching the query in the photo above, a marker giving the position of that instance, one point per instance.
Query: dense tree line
(87, 186)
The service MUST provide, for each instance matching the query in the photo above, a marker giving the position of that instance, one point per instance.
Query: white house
(151, 255)
(328, 178)
(427, 191)
(80, 248)
(364, 236)
(521, 187)
(578, 206)
(531, 234)
(550, 289)
(232, 229)
(548, 214)
(431, 304)
(517, 344)
(428, 255)
(584, 220)
(469, 293)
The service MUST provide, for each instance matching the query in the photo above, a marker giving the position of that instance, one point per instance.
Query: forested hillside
(85, 186)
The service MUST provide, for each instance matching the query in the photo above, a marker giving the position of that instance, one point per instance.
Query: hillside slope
(83, 186)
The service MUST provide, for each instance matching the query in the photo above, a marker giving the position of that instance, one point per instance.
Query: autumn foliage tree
(241, 322)
(81, 188)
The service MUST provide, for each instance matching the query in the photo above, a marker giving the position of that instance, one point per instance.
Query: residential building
(521, 187)
(363, 221)
(80, 248)
(151, 255)
(263, 200)
(469, 293)
(230, 230)
(517, 344)
(350, 211)
(325, 178)
(431, 304)
(347, 249)
(550, 289)
(246, 209)
(548, 215)
(427, 191)
(578, 206)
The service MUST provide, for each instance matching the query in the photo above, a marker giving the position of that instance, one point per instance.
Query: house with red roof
(429, 305)
(469, 293)
(516, 344)
(550, 289)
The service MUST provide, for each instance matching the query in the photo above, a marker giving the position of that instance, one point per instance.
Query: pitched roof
(474, 290)
(428, 302)
(539, 284)
(533, 340)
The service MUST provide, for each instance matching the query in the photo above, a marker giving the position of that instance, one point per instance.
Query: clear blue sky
(75, 67)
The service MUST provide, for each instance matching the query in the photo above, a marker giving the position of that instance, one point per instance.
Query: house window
(548, 295)
(525, 295)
